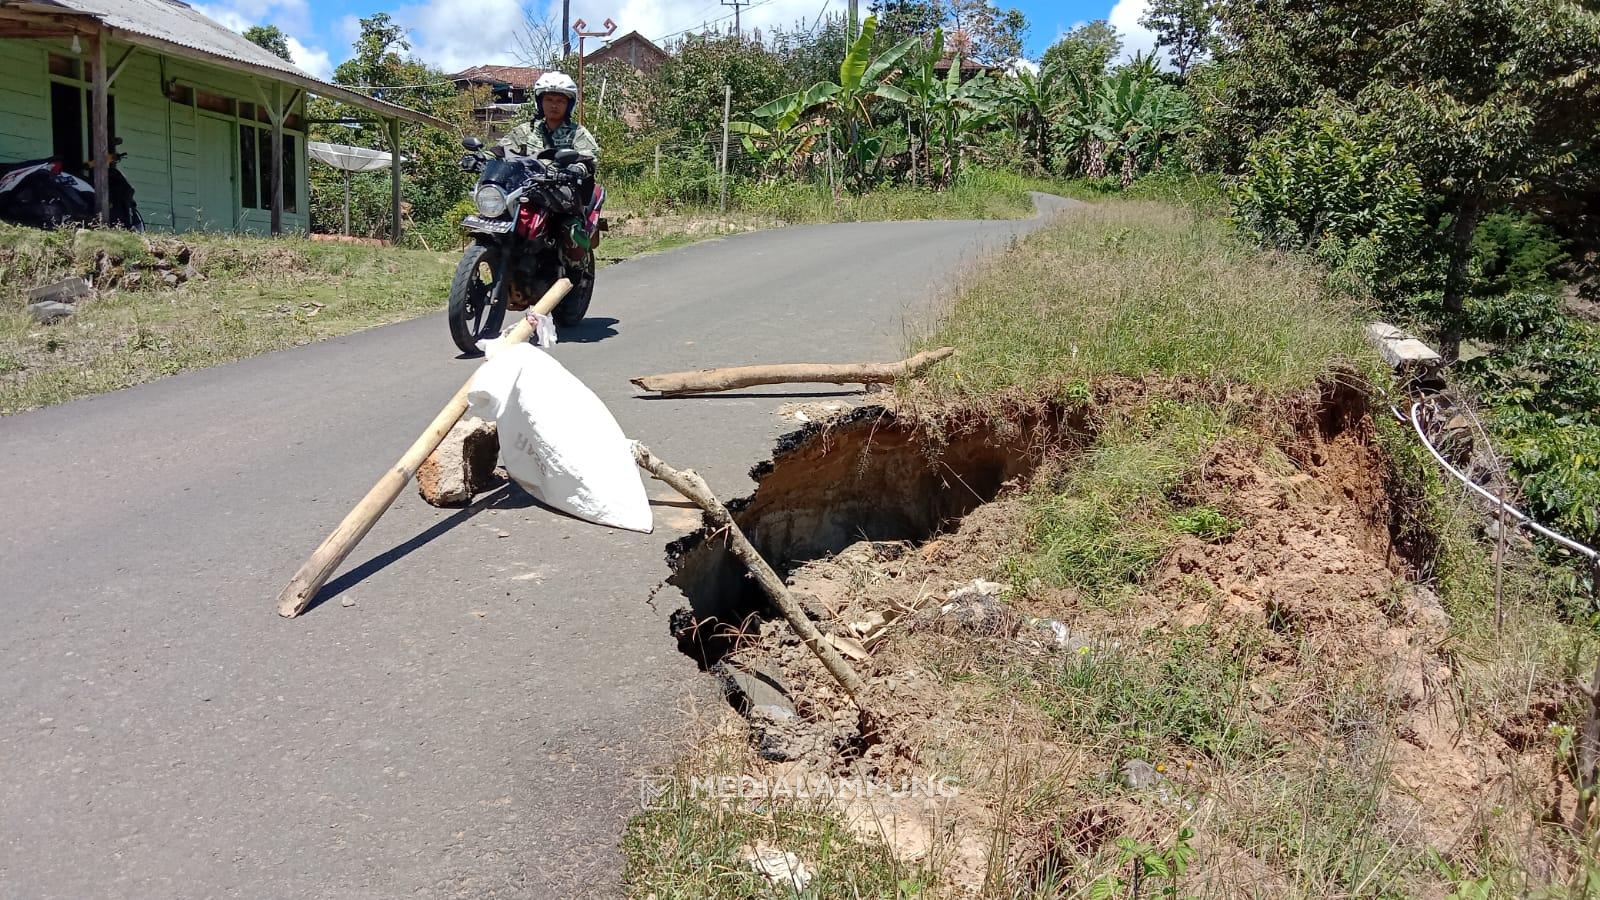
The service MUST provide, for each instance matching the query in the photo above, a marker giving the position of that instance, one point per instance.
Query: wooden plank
(275, 112)
(394, 172)
(100, 141)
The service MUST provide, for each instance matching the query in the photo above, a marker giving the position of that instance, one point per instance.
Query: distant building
(632, 49)
(509, 88)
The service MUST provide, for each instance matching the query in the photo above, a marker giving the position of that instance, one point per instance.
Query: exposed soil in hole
(865, 476)
(1343, 662)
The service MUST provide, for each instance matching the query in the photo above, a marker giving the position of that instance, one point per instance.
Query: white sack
(557, 439)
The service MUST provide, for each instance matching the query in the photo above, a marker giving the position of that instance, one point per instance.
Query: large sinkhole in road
(871, 475)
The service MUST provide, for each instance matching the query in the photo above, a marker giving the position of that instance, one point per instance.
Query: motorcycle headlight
(490, 201)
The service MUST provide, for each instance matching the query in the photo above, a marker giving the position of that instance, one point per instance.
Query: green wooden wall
(166, 162)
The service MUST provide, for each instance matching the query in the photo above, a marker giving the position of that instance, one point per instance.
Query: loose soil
(881, 529)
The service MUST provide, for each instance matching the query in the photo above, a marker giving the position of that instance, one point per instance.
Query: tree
(1086, 50)
(433, 182)
(900, 19)
(984, 32)
(1491, 102)
(270, 38)
(1182, 27)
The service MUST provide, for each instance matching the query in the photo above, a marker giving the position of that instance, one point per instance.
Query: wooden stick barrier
(710, 380)
(692, 486)
(314, 573)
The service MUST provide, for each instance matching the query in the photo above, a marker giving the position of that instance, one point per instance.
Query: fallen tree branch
(692, 486)
(711, 380)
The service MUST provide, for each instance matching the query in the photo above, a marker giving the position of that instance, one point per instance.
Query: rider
(553, 129)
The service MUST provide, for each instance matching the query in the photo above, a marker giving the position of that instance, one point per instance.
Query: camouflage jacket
(531, 137)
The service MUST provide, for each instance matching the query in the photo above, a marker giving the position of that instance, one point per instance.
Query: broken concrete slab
(49, 311)
(462, 465)
(1400, 350)
(67, 290)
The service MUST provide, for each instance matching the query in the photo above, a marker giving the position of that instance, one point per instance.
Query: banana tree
(1030, 99)
(789, 134)
(950, 109)
(847, 103)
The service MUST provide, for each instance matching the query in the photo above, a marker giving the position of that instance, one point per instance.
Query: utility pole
(736, 4)
(578, 29)
(566, 28)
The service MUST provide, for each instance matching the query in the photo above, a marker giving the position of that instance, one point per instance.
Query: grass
(255, 296)
(1170, 336)
(261, 295)
(1136, 289)
(977, 194)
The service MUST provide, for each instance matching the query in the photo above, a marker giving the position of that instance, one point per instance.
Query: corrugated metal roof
(182, 24)
(173, 26)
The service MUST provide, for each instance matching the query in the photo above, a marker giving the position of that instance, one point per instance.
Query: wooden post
(275, 113)
(658, 160)
(394, 170)
(313, 574)
(692, 486)
(727, 105)
(100, 138)
(676, 384)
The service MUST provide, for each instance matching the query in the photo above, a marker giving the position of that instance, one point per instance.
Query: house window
(255, 168)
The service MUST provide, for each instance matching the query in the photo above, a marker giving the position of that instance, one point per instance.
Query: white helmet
(555, 82)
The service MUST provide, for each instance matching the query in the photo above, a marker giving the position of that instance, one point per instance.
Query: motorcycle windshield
(507, 173)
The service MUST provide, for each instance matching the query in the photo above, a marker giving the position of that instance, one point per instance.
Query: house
(634, 49)
(214, 127)
(509, 88)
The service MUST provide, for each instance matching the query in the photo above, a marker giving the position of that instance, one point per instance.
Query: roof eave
(321, 88)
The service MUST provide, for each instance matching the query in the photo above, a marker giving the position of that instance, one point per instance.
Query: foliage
(1333, 182)
(434, 182)
(1086, 50)
(270, 38)
(1123, 122)
(685, 95)
(1146, 862)
(1182, 27)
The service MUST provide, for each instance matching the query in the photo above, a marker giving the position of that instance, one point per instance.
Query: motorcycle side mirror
(472, 144)
(567, 157)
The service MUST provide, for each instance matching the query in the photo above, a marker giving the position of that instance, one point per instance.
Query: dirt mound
(1307, 659)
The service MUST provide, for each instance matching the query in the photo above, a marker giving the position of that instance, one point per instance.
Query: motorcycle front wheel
(477, 306)
(575, 305)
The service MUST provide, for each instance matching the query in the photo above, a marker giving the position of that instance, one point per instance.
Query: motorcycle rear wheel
(477, 305)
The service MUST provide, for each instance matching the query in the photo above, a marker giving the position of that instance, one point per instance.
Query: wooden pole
(727, 106)
(100, 133)
(275, 113)
(692, 486)
(394, 177)
(314, 573)
(710, 380)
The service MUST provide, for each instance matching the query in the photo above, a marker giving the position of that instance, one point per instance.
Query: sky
(457, 34)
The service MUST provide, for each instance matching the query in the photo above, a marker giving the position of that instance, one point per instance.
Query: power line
(704, 25)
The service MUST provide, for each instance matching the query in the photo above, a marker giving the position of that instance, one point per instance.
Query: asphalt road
(474, 724)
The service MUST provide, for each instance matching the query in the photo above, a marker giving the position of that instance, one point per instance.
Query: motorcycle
(43, 193)
(521, 242)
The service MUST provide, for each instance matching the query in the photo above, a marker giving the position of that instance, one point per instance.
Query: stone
(67, 290)
(1400, 350)
(1139, 775)
(190, 273)
(49, 311)
(347, 602)
(170, 279)
(462, 465)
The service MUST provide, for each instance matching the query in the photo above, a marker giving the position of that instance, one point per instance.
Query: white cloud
(289, 15)
(312, 59)
(1136, 38)
(455, 36)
